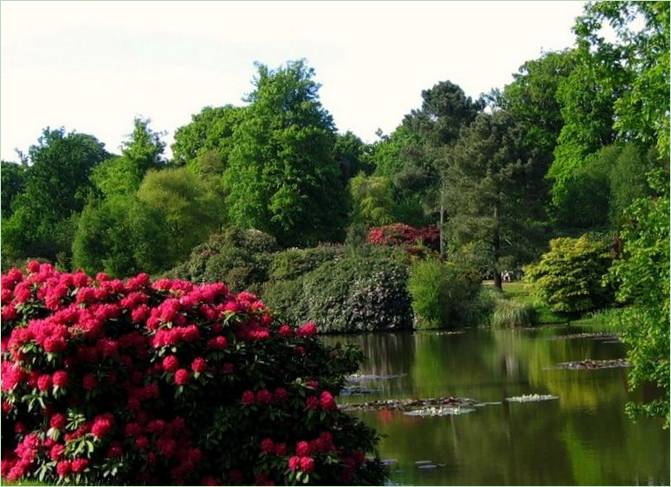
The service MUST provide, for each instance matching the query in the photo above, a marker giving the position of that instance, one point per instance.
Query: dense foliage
(570, 276)
(237, 257)
(567, 148)
(134, 382)
(348, 294)
(281, 176)
(56, 185)
(642, 275)
(405, 235)
(443, 293)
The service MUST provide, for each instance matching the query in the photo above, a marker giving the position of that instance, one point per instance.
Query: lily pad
(440, 411)
(531, 398)
(594, 364)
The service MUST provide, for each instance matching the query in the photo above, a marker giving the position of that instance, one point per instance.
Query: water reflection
(583, 437)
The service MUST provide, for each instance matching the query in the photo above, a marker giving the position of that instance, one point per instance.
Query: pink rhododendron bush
(166, 382)
(405, 235)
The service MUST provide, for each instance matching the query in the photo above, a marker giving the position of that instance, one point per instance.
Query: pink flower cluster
(142, 372)
(405, 235)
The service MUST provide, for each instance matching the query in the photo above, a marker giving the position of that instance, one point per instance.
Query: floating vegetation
(355, 390)
(364, 377)
(531, 398)
(597, 336)
(410, 404)
(440, 411)
(489, 403)
(445, 332)
(593, 364)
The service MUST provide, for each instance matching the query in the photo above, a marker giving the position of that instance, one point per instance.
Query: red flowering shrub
(138, 382)
(405, 235)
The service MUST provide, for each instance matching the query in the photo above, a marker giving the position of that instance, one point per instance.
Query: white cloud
(93, 66)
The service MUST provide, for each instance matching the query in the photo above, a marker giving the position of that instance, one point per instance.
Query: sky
(94, 66)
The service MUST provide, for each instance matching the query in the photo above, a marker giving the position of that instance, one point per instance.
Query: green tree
(185, 206)
(121, 236)
(532, 101)
(57, 186)
(13, 181)
(642, 276)
(352, 154)
(206, 142)
(570, 276)
(141, 152)
(372, 200)
(642, 110)
(485, 194)
(281, 176)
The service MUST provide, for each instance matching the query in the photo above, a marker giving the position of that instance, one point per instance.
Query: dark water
(584, 437)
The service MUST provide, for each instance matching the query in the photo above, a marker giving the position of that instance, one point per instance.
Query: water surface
(583, 437)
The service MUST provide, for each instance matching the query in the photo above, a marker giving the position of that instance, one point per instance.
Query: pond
(581, 437)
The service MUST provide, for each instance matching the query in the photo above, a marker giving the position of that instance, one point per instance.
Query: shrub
(238, 257)
(348, 295)
(511, 313)
(570, 277)
(139, 382)
(442, 293)
(402, 234)
(293, 263)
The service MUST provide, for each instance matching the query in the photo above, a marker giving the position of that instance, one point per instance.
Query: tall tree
(187, 209)
(486, 184)
(13, 181)
(57, 186)
(281, 176)
(205, 142)
(142, 151)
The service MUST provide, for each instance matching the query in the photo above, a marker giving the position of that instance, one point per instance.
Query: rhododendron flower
(79, 465)
(303, 449)
(312, 402)
(199, 365)
(280, 449)
(170, 363)
(327, 401)
(60, 378)
(102, 425)
(217, 343)
(114, 451)
(182, 377)
(285, 331)
(63, 468)
(56, 452)
(267, 445)
(89, 382)
(57, 421)
(142, 442)
(264, 396)
(44, 382)
(281, 394)
(294, 463)
(307, 464)
(306, 330)
(247, 398)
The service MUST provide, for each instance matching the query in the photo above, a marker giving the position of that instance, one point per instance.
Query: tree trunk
(497, 280)
(497, 249)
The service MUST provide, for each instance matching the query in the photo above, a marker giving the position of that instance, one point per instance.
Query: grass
(520, 293)
(512, 313)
